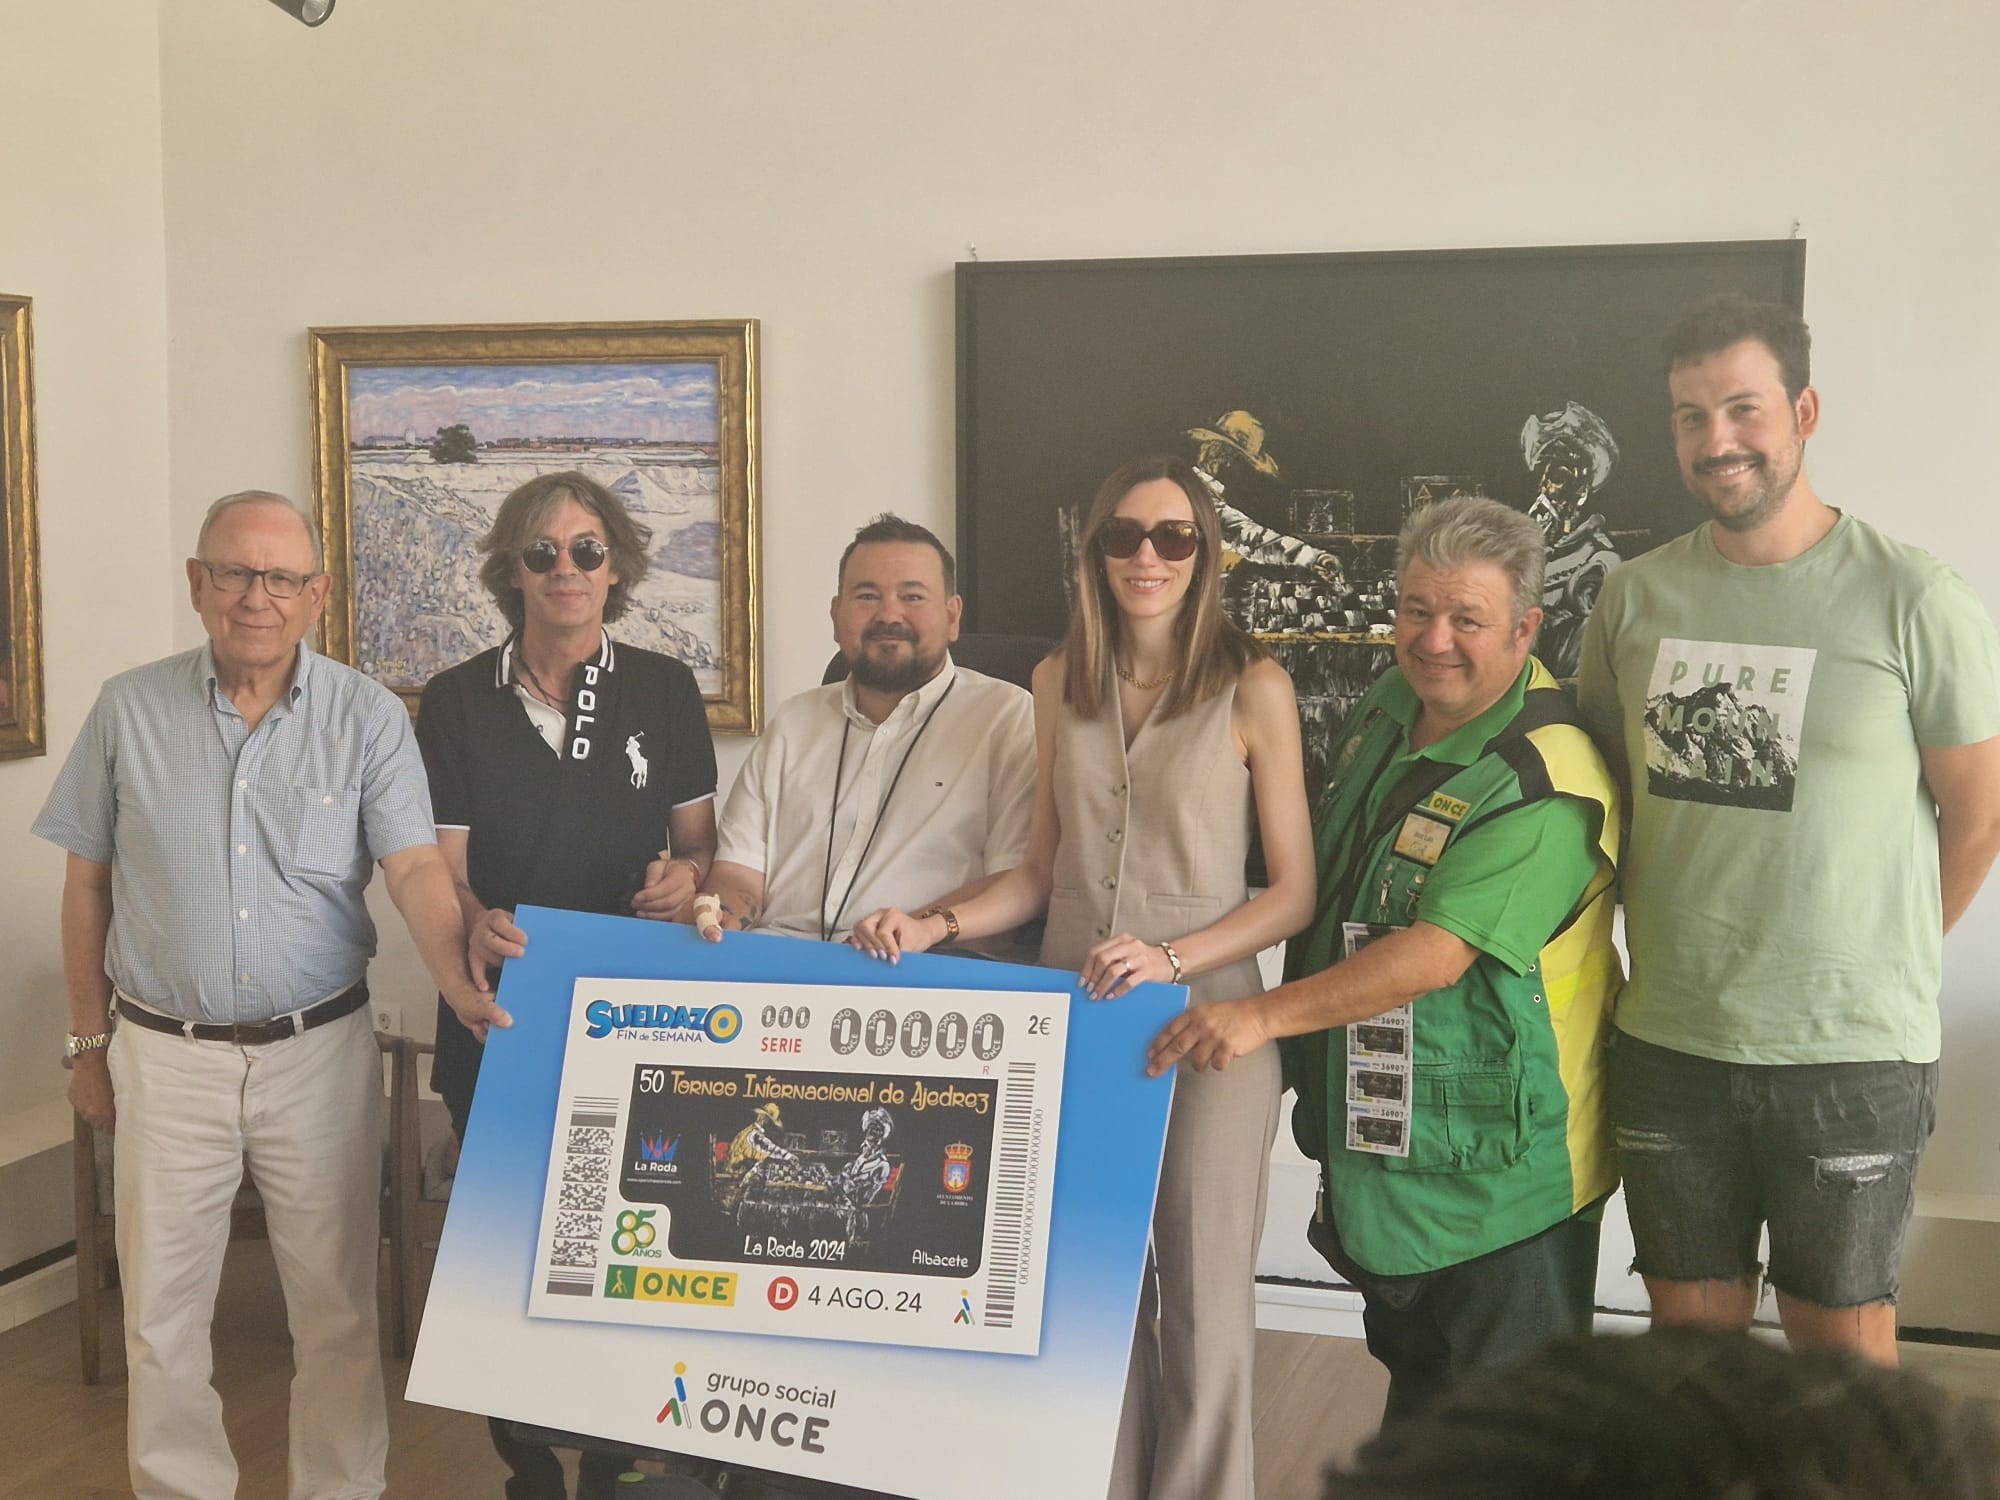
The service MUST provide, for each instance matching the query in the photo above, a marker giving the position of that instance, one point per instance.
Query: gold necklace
(1144, 687)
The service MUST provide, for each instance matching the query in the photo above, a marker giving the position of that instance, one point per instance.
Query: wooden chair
(402, 1214)
(415, 1220)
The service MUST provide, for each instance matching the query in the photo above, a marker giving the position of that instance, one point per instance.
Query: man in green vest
(1442, 1014)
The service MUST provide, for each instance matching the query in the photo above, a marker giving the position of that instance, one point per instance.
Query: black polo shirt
(572, 829)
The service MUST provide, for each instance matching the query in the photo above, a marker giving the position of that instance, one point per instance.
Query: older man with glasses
(223, 810)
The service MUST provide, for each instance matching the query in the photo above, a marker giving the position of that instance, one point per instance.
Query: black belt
(250, 1033)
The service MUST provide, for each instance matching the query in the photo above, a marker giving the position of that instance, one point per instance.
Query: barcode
(586, 1171)
(1012, 1179)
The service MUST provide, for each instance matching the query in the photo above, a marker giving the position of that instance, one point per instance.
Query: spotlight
(312, 12)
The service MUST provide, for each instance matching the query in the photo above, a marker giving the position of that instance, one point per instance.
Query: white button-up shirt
(965, 746)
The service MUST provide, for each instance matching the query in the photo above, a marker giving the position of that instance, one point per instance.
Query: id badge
(1422, 838)
(1378, 1065)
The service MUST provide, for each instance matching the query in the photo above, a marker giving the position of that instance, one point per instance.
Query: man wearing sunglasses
(568, 770)
(223, 811)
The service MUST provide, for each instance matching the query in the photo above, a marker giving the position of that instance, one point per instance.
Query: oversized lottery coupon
(1378, 1066)
(816, 1161)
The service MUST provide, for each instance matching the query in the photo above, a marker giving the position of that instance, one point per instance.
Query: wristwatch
(75, 1046)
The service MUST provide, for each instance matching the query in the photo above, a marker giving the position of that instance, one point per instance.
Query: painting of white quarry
(434, 449)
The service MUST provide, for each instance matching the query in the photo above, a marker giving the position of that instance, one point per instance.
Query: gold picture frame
(22, 732)
(419, 432)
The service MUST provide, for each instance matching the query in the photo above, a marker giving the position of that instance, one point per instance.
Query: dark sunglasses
(1173, 541)
(587, 552)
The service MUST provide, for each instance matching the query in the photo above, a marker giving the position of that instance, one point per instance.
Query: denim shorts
(1825, 1153)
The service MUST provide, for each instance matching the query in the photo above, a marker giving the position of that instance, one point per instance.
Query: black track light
(312, 12)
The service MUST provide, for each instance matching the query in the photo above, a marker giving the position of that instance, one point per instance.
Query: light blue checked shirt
(238, 858)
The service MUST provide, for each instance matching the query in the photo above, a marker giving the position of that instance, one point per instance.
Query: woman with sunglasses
(1163, 730)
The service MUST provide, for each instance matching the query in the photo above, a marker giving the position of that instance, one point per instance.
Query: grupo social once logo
(677, 1404)
(748, 1409)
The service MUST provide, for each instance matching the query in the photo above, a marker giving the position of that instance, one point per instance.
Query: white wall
(81, 233)
(821, 166)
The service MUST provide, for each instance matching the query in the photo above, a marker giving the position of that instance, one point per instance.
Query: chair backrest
(1011, 658)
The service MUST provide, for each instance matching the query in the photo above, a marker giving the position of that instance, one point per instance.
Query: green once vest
(1508, 1132)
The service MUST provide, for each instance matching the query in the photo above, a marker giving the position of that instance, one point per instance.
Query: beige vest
(1152, 839)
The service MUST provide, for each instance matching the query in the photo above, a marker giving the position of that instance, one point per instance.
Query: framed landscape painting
(420, 432)
(21, 729)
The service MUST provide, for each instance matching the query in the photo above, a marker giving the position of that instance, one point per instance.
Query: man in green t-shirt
(1442, 1019)
(1807, 716)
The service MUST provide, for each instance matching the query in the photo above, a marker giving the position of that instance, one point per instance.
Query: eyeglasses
(1174, 541)
(587, 552)
(279, 583)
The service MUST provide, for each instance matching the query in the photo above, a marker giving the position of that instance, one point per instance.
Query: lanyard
(1342, 875)
(828, 924)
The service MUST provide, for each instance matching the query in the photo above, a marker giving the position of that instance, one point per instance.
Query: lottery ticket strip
(868, 1164)
(1378, 1067)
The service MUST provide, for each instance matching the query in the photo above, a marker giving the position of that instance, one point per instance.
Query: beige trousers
(1185, 1431)
(306, 1114)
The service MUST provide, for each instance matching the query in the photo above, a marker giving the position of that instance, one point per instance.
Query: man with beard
(911, 777)
(1775, 1059)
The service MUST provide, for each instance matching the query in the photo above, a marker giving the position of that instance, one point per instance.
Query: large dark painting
(1324, 396)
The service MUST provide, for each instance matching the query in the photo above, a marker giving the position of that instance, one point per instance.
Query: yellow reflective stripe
(1581, 978)
(1580, 967)
(1572, 762)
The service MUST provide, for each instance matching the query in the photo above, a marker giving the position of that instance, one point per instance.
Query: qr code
(590, 1138)
(583, 1197)
(577, 1226)
(586, 1168)
(580, 1253)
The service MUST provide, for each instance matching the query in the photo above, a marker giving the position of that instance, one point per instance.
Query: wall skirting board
(1982, 1208)
(1335, 1311)
(26, 1298)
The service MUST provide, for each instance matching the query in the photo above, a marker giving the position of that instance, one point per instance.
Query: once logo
(758, 1424)
(646, 1284)
(784, 1293)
